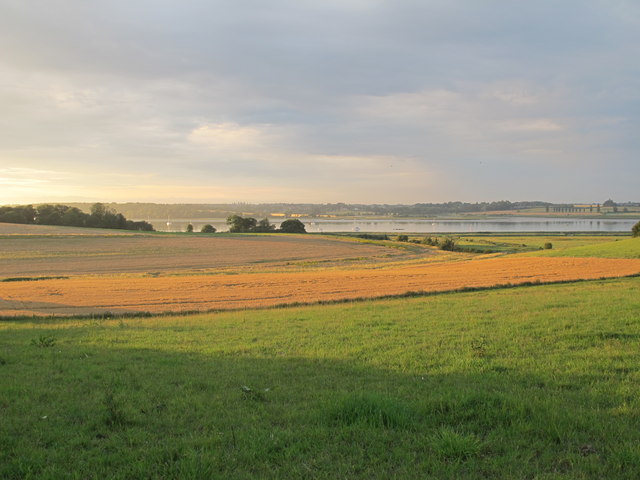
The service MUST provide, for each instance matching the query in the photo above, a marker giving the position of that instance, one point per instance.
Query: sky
(319, 101)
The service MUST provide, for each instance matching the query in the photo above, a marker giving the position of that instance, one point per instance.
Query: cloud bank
(357, 101)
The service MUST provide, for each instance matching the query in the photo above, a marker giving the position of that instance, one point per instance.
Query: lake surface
(490, 224)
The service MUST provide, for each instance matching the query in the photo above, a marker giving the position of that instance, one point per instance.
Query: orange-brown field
(118, 294)
(123, 272)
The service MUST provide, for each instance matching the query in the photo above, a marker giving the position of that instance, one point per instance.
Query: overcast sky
(368, 101)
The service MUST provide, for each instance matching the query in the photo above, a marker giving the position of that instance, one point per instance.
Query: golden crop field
(118, 294)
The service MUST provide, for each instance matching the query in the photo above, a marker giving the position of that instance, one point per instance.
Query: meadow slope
(536, 382)
(623, 248)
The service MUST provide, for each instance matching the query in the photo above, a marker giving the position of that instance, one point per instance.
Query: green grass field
(538, 382)
(521, 243)
(621, 248)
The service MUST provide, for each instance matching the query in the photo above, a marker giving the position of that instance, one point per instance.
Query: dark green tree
(292, 226)
(50, 214)
(238, 224)
(189, 228)
(74, 217)
(19, 214)
(208, 229)
(635, 231)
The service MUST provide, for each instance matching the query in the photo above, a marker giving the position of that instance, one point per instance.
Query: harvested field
(22, 229)
(205, 292)
(55, 255)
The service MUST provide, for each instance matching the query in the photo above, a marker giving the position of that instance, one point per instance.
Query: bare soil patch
(37, 255)
(20, 229)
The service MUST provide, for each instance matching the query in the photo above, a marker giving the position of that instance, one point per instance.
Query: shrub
(448, 244)
(635, 231)
(371, 236)
(189, 228)
(548, 246)
(402, 238)
(208, 229)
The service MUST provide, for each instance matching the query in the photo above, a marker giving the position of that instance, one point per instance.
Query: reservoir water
(504, 224)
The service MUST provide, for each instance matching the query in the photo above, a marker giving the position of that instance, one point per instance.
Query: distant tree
(238, 224)
(141, 225)
(19, 214)
(609, 203)
(402, 238)
(10, 215)
(74, 217)
(189, 228)
(208, 229)
(98, 210)
(292, 226)
(548, 246)
(264, 226)
(635, 231)
(105, 217)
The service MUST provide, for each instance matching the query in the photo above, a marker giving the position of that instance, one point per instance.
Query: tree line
(101, 216)
(238, 224)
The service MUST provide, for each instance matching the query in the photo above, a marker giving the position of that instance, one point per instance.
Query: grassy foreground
(537, 382)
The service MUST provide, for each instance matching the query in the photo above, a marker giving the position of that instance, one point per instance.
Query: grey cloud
(123, 85)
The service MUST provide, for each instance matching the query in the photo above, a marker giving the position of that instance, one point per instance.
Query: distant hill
(143, 211)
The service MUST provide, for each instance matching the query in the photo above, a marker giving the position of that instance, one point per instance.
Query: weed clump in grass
(371, 410)
(44, 341)
(114, 414)
(479, 347)
(454, 445)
